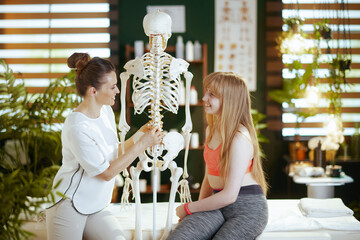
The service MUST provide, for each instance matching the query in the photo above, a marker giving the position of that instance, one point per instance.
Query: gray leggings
(244, 219)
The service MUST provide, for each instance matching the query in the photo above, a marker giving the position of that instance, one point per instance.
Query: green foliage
(257, 118)
(293, 22)
(337, 66)
(295, 88)
(30, 147)
(337, 77)
(322, 30)
(355, 206)
(294, 31)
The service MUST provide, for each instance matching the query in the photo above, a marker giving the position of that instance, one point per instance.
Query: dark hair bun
(78, 61)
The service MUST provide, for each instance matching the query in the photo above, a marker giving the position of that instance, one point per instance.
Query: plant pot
(333, 170)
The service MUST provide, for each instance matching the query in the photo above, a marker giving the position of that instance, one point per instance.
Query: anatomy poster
(235, 38)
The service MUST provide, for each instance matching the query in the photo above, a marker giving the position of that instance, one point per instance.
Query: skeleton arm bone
(123, 126)
(188, 124)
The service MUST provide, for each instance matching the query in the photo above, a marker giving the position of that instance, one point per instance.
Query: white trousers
(64, 222)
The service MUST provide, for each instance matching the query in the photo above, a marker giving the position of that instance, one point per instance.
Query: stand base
(320, 191)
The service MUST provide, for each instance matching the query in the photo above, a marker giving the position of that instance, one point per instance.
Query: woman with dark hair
(91, 156)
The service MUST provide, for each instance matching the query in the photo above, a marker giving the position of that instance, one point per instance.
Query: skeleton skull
(156, 23)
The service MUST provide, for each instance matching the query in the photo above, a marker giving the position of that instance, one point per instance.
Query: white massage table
(285, 222)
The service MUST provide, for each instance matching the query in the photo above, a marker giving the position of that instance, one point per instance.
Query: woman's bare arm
(205, 190)
(150, 138)
(241, 153)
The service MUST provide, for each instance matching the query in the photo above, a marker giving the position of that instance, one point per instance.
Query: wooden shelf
(201, 147)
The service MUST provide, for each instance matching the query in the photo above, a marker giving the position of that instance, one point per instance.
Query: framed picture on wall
(236, 39)
(177, 14)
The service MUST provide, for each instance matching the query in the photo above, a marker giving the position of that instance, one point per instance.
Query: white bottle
(194, 142)
(197, 51)
(179, 52)
(189, 51)
(193, 96)
(138, 48)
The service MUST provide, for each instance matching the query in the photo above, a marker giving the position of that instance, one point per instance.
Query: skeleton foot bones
(156, 80)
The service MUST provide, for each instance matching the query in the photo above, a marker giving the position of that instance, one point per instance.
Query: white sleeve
(86, 151)
(111, 115)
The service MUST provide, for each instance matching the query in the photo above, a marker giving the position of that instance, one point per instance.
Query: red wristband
(187, 211)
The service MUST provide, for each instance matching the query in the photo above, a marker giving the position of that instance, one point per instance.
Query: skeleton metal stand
(156, 82)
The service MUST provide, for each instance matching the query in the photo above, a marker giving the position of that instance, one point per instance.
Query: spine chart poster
(235, 38)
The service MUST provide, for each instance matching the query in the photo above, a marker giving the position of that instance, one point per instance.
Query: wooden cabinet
(199, 69)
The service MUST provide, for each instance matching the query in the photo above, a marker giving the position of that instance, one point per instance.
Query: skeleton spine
(155, 108)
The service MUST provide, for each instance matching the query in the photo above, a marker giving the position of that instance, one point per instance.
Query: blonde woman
(232, 202)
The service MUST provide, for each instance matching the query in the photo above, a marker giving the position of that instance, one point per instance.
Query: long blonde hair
(235, 110)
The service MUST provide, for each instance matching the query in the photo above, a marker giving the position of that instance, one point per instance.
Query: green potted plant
(304, 81)
(257, 118)
(30, 147)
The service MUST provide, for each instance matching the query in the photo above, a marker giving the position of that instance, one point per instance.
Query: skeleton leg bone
(175, 176)
(135, 174)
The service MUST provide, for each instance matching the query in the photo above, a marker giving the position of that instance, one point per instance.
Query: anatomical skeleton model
(156, 82)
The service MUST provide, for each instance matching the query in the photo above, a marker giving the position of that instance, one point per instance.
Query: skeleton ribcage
(156, 87)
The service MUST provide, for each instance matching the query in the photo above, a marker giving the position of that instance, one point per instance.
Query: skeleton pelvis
(173, 143)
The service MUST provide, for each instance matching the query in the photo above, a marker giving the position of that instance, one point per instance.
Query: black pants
(244, 219)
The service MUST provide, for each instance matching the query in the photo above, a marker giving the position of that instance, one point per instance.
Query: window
(342, 15)
(36, 37)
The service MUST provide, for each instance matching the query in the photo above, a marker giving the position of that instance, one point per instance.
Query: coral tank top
(212, 159)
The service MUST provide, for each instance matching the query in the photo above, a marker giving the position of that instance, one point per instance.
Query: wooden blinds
(37, 36)
(313, 11)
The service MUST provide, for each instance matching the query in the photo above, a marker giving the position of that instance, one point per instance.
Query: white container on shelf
(142, 185)
(193, 95)
(179, 52)
(194, 142)
(197, 51)
(138, 48)
(182, 93)
(189, 51)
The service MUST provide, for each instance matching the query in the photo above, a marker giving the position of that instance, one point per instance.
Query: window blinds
(37, 36)
(313, 11)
